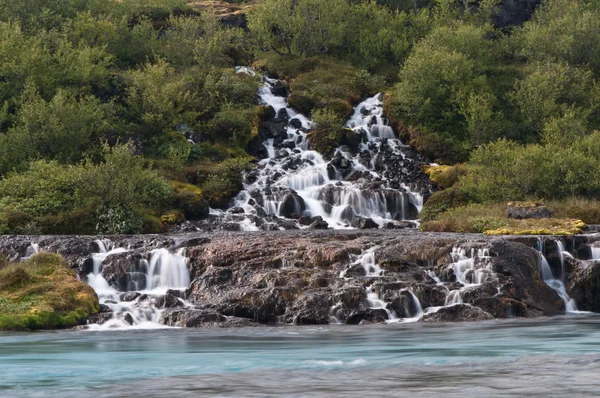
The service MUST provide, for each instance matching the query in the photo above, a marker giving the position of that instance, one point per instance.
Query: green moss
(42, 293)
(547, 226)
(445, 176)
(172, 217)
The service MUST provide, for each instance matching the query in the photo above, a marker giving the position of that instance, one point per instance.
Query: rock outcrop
(316, 277)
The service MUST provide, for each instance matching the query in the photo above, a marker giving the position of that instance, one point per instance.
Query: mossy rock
(172, 217)
(43, 293)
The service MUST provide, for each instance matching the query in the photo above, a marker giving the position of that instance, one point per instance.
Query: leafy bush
(327, 133)
(114, 193)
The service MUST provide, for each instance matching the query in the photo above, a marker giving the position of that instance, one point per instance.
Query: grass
(491, 219)
(43, 293)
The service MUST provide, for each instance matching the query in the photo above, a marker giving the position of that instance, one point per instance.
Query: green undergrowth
(491, 219)
(42, 293)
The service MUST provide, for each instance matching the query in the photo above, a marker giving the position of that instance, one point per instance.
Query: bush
(442, 201)
(151, 224)
(190, 199)
(327, 133)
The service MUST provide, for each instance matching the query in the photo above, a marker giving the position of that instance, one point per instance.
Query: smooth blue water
(545, 357)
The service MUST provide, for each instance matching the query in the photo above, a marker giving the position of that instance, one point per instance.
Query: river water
(545, 357)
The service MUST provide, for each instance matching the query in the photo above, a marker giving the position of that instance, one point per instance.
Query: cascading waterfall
(376, 303)
(470, 268)
(149, 280)
(32, 249)
(555, 284)
(362, 182)
(562, 253)
(595, 253)
(373, 270)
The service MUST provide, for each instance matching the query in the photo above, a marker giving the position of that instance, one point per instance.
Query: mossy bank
(43, 293)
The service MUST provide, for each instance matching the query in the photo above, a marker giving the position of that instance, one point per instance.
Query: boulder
(522, 210)
(584, 286)
(190, 318)
(318, 223)
(364, 223)
(458, 313)
(292, 204)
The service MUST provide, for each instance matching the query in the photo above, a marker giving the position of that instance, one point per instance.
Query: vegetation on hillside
(127, 116)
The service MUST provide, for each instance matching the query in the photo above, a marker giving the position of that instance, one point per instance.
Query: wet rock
(310, 309)
(372, 315)
(278, 89)
(236, 210)
(129, 296)
(282, 115)
(190, 318)
(364, 223)
(104, 308)
(318, 223)
(100, 318)
(458, 313)
(292, 204)
(127, 318)
(584, 286)
(296, 123)
(404, 305)
(168, 301)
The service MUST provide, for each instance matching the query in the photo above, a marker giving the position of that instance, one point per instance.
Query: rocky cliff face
(318, 277)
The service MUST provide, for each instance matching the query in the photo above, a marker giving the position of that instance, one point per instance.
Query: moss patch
(547, 226)
(445, 176)
(43, 293)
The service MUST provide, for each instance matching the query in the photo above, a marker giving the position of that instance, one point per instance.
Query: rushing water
(546, 357)
(369, 181)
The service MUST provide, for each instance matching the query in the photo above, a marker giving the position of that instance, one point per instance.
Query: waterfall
(367, 260)
(167, 271)
(471, 268)
(375, 303)
(562, 253)
(164, 271)
(32, 249)
(555, 284)
(595, 253)
(367, 181)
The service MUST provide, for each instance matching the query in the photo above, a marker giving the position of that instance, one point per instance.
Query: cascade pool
(544, 357)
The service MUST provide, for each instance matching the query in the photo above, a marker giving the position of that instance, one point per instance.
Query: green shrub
(442, 201)
(151, 224)
(327, 133)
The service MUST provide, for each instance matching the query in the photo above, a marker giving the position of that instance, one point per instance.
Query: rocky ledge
(352, 277)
